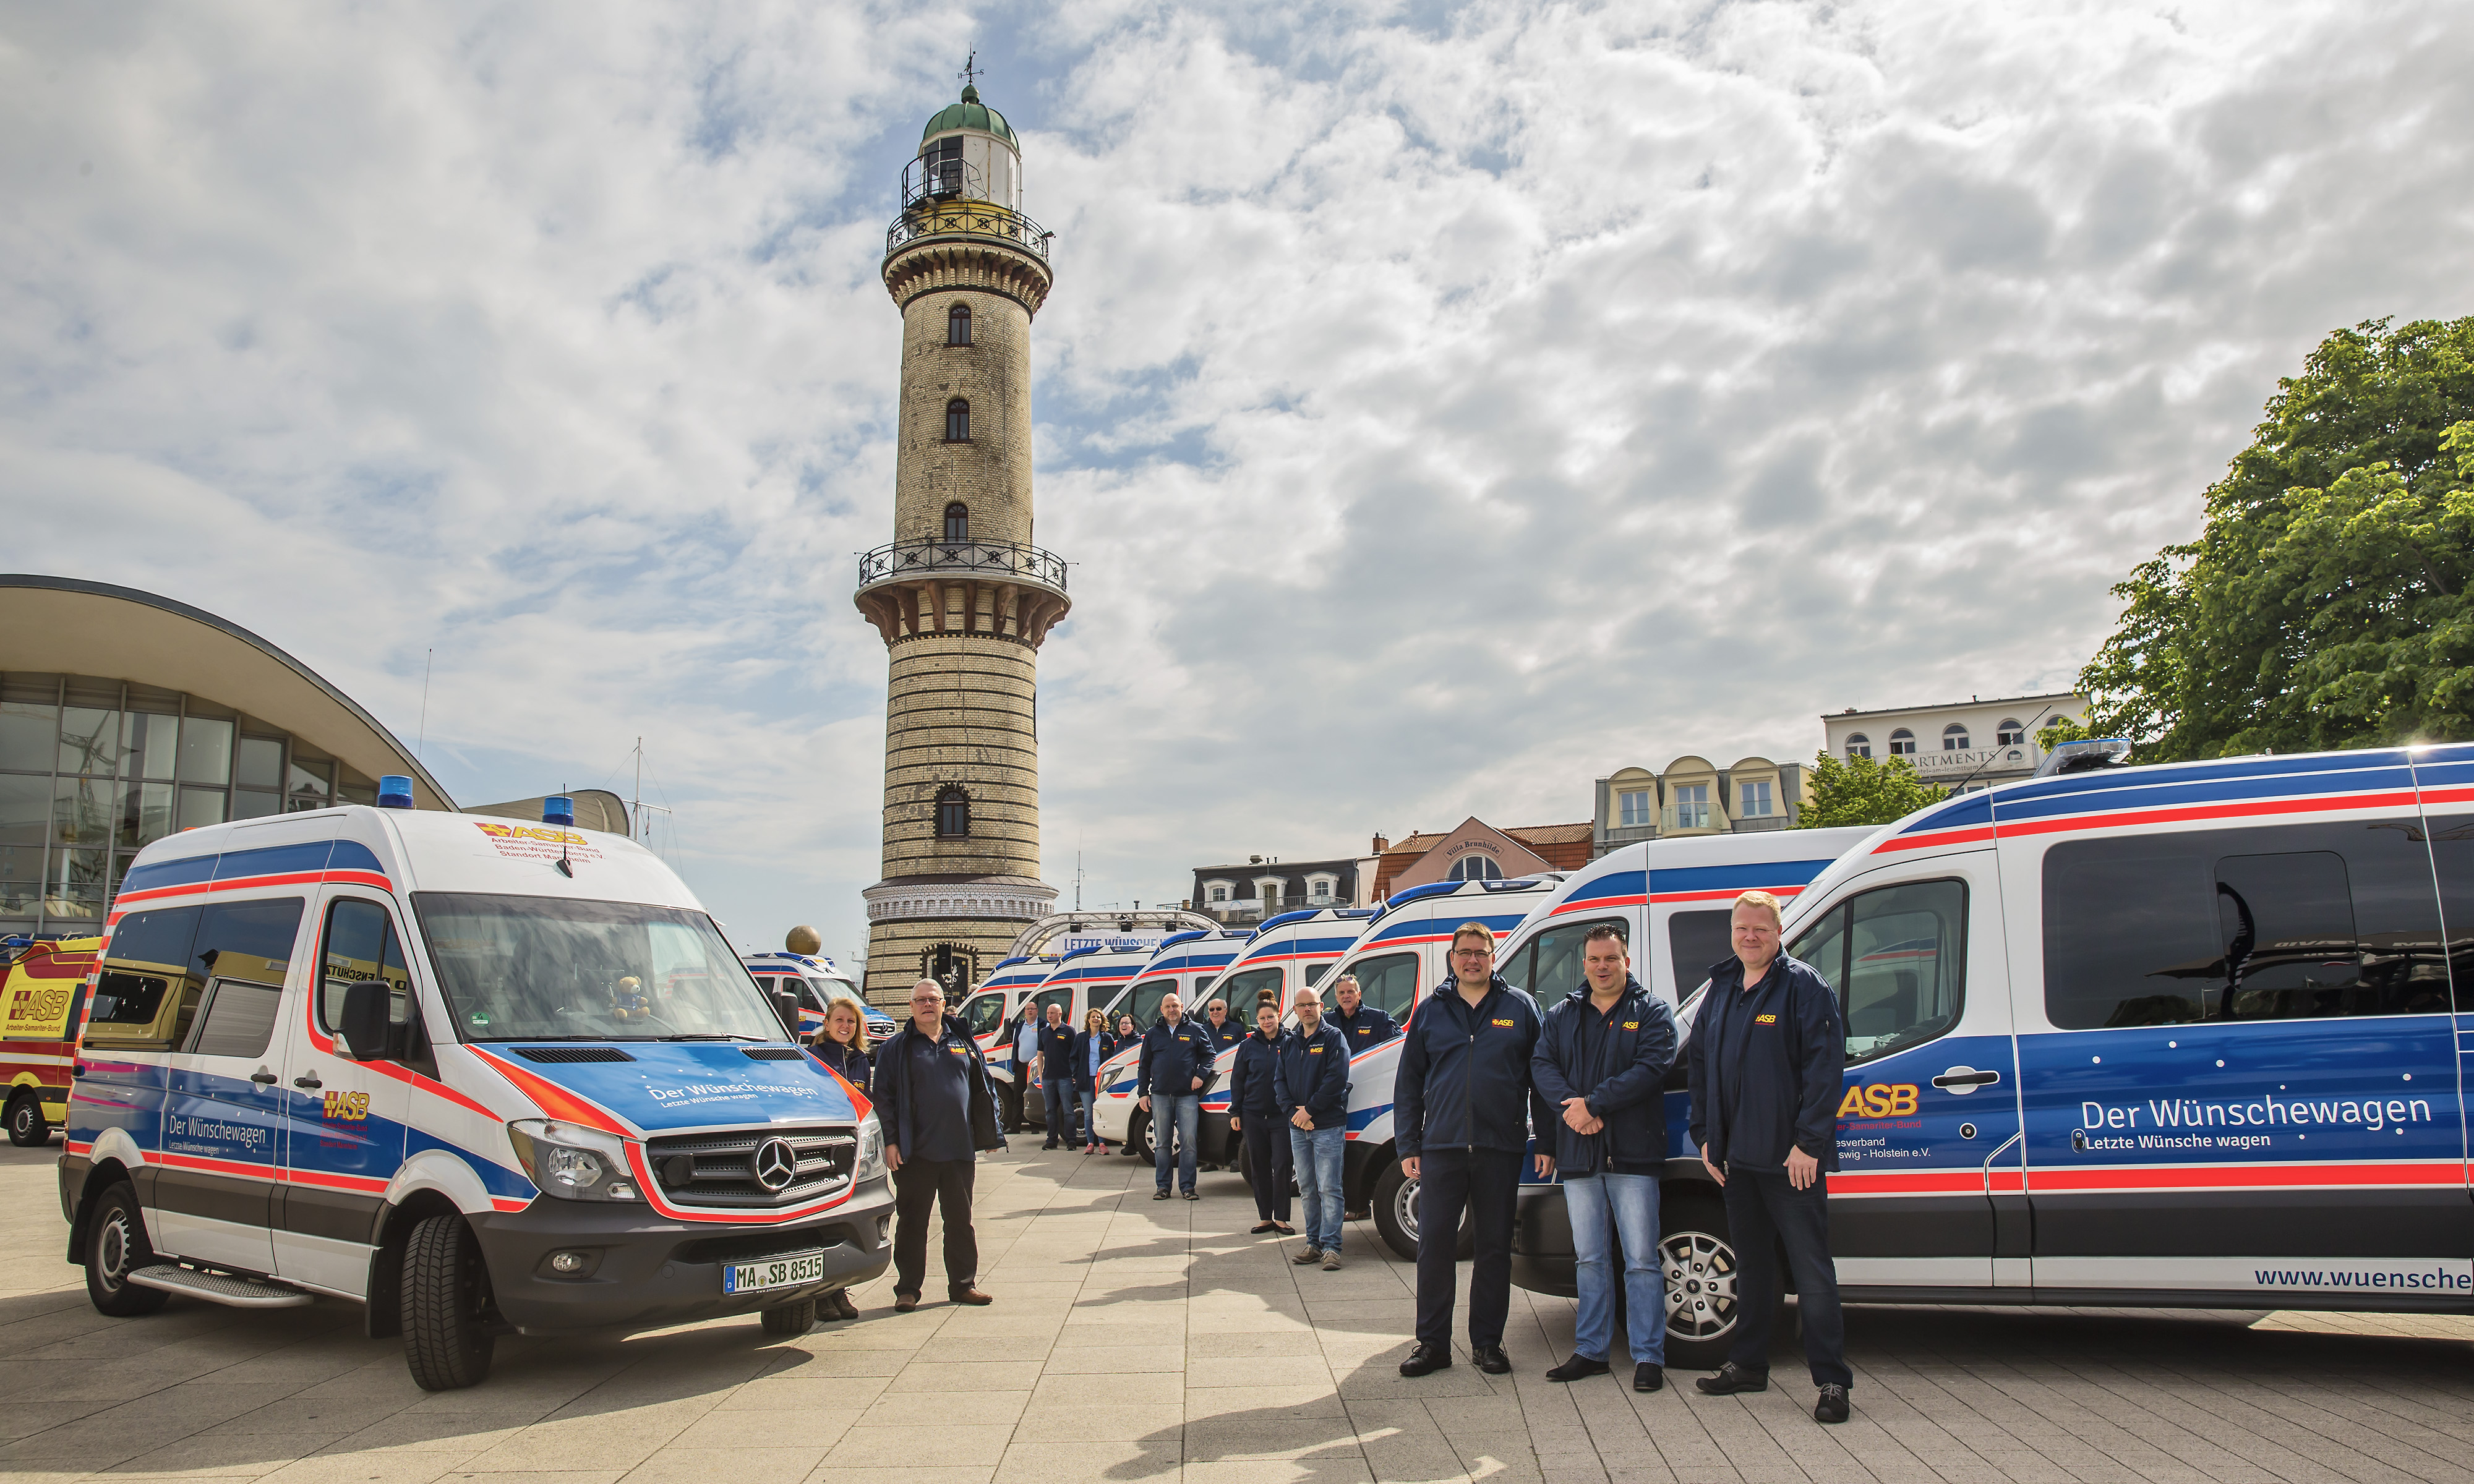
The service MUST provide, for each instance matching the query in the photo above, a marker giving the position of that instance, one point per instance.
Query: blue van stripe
(274, 860)
(1720, 878)
(189, 870)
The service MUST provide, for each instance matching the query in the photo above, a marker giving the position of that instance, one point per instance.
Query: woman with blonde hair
(843, 1046)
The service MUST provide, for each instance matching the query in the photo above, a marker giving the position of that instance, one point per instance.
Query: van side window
(981, 1013)
(148, 954)
(2288, 922)
(238, 1020)
(1316, 971)
(1696, 941)
(1897, 957)
(1243, 990)
(1389, 982)
(1143, 1003)
(1062, 1000)
(360, 946)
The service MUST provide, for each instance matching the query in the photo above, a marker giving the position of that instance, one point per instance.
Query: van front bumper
(647, 1271)
(1541, 1241)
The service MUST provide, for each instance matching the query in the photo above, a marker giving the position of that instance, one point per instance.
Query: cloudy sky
(1446, 405)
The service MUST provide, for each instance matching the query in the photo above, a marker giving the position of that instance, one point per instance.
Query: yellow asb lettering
(1505, 1023)
(1765, 1019)
(1632, 1025)
(351, 1106)
(1880, 1100)
(1314, 1050)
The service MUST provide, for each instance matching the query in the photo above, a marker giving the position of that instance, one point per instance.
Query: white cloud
(1444, 409)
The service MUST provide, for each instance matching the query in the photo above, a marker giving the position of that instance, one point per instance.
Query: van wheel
(1699, 1264)
(1138, 1137)
(115, 1247)
(26, 1126)
(1010, 1106)
(791, 1319)
(1395, 1217)
(447, 1343)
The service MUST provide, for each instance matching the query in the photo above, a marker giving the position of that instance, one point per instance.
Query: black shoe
(1648, 1375)
(1422, 1361)
(1159, 1195)
(1192, 1195)
(1050, 1144)
(1353, 1215)
(1492, 1359)
(1833, 1405)
(1731, 1379)
(1577, 1367)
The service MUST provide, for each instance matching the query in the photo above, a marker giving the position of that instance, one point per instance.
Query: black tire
(791, 1319)
(1395, 1217)
(26, 1126)
(1010, 1106)
(447, 1339)
(1699, 1264)
(1138, 1137)
(115, 1247)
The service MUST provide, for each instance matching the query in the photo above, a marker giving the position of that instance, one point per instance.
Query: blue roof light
(558, 809)
(395, 792)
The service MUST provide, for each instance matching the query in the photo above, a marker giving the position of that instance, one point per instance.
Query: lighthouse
(963, 596)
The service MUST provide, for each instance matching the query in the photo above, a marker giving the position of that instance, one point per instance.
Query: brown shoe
(970, 1296)
(905, 1303)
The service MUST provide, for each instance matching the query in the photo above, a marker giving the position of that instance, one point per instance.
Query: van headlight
(871, 1149)
(575, 1163)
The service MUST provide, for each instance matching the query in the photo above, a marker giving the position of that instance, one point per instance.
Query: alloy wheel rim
(1700, 1271)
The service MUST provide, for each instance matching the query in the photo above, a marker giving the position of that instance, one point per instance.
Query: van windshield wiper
(716, 1036)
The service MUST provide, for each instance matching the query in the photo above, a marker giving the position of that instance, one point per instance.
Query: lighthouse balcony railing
(962, 216)
(962, 561)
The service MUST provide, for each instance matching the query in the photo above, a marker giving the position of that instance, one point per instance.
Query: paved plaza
(1142, 1341)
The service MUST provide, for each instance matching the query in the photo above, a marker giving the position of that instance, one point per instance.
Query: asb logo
(1880, 1100)
(351, 1106)
(1765, 1019)
(1506, 1024)
(547, 834)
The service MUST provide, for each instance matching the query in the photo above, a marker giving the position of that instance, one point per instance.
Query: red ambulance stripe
(2238, 1176)
(551, 1098)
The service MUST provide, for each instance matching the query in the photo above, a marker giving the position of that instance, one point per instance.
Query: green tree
(1861, 791)
(2325, 603)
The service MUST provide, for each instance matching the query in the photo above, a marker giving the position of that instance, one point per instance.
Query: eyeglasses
(1473, 953)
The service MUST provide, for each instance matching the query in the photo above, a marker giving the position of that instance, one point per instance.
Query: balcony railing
(947, 216)
(993, 561)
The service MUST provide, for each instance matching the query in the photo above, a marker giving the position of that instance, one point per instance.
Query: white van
(1187, 965)
(2178, 1035)
(1092, 978)
(988, 1012)
(816, 982)
(478, 1076)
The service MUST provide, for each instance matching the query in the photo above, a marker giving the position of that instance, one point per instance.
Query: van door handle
(1965, 1077)
(262, 1077)
(304, 1079)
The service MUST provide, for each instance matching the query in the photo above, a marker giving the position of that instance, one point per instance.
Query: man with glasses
(1462, 1106)
(939, 1110)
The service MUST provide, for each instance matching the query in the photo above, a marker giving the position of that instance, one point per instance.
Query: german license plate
(787, 1271)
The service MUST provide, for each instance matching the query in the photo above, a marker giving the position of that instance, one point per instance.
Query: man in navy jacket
(1059, 1047)
(1462, 1109)
(937, 1109)
(1602, 1063)
(1766, 1058)
(1312, 1086)
(1360, 1024)
(1177, 1052)
(1254, 1116)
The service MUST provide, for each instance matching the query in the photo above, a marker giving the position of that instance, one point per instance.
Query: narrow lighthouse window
(958, 325)
(957, 421)
(958, 522)
(952, 813)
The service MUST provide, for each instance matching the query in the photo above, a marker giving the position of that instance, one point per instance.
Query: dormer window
(958, 522)
(957, 421)
(958, 325)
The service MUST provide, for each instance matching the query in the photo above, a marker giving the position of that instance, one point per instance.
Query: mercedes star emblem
(775, 1163)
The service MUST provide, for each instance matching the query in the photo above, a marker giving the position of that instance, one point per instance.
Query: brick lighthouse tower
(962, 597)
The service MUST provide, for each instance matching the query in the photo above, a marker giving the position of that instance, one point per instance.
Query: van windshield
(550, 968)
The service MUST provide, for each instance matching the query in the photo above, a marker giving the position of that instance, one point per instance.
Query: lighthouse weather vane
(970, 73)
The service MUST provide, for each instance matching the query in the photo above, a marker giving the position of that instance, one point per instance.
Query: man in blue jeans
(1176, 1061)
(1601, 1063)
(1310, 1080)
(1057, 1046)
(1767, 1057)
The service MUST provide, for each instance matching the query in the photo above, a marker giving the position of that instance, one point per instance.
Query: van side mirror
(786, 1006)
(365, 1028)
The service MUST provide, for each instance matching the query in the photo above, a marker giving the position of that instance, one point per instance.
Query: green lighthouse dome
(970, 113)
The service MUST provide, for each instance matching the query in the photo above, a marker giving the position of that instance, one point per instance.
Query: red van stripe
(2238, 1176)
(551, 1098)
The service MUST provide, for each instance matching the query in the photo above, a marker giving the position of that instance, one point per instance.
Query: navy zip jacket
(1767, 1066)
(1617, 1064)
(893, 1089)
(850, 1062)
(1464, 1080)
(1368, 1027)
(1173, 1056)
(1252, 1093)
(1062, 1050)
(1312, 1073)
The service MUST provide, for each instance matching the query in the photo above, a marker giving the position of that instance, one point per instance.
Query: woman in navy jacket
(1254, 1115)
(842, 1044)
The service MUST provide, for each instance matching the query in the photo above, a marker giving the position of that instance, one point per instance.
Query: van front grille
(724, 1170)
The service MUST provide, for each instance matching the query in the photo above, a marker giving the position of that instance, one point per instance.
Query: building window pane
(148, 744)
(958, 522)
(1902, 743)
(201, 806)
(249, 804)
(1859, 746)
(30, 734)
(1756, 800)
(313, 785)
(1474, 867)
(958, 325)
(205, 751)
(1637, 808)
(1693, 806)
(75, 887)
(953, 814)
(2009, 733)
(89, 740)
(145, 813)
(957, 421)
(261, 763)
(83, 811)
(1953, 738)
